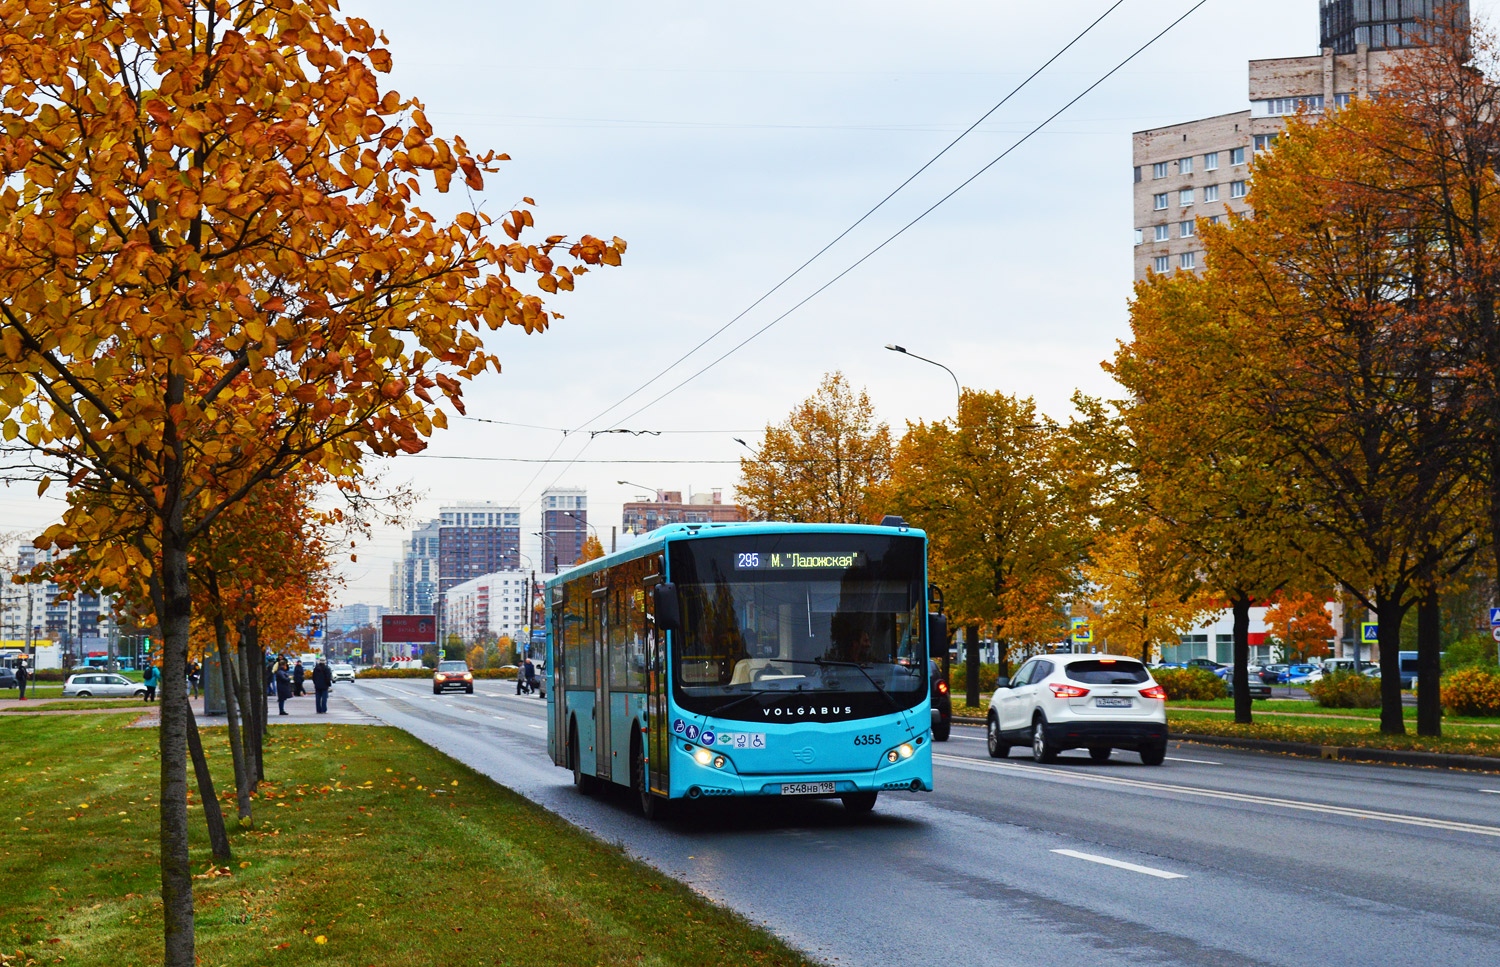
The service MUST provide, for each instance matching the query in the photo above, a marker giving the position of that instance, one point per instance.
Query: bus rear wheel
(859, 802)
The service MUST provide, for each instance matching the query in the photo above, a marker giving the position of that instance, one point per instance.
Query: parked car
(452, 674)
(102, 685)
(1300, 671)
(1210, 664)
(8, 678)
(1257, 688)
(1094, 702)
(1345, 665)
(1271, 674)
(342, 672)
(942, 703)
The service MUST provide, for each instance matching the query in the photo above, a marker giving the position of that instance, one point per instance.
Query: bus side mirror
(937, 632)
(667, 607)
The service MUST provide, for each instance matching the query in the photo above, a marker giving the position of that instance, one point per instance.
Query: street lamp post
(548, 537)
(906, 352)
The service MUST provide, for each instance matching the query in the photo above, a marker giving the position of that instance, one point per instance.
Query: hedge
(427, 673)
(1190, 684)
(1346, 690)
(1472, 691)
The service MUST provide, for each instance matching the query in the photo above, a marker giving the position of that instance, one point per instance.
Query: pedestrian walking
(195, 675)
(283, 687)
(299, 674)
(529, 670)
(150, 679)
(322, 677)
(22, 677)
(520, 680)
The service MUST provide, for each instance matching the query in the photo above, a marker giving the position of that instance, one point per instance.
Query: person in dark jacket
(529, 670)
(322, 677)
(22, 677)
(283, 687)
(150, 679)
(299, 674)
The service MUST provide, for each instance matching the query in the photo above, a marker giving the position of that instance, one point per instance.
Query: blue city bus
(746, 660)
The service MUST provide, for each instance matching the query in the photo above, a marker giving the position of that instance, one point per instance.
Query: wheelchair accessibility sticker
(736, 740)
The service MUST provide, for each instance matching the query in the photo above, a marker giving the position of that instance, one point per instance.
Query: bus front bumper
(691, 780)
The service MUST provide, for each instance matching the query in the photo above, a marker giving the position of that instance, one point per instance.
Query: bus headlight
(903, 751)
(702, 756)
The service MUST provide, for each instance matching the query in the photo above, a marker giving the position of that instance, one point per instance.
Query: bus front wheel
(582, 780)
(859, 802)
(653, 807)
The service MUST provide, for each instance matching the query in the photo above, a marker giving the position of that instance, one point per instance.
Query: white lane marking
(1201, 762)
(531, 725)
(1492, 792)
(1053, 775)
(1120, 864)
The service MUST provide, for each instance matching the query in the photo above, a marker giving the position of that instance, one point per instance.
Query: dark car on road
(942, 703)
(8, 678)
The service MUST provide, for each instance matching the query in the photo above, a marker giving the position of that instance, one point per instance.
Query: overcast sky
(729, 142)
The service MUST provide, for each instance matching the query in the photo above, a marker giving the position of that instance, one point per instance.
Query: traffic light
(146, 643)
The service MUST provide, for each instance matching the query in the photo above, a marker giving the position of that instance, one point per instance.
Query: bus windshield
(800, 626)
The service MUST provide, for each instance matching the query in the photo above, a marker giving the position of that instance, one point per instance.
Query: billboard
(418, 628)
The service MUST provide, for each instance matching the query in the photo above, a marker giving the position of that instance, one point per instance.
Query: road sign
(1494, 617)
(1495, 633)
(1369, 633)
(1082, 633)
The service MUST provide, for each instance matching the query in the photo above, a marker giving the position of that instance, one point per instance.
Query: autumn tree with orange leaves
(213, 269)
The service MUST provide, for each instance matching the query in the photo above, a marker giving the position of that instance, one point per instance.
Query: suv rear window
(1101, 672)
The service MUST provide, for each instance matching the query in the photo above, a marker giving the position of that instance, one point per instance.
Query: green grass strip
(370, 848)
(1456, 739)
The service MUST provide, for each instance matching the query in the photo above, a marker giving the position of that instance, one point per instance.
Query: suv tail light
(942, 688)
(1068, 691)
(1155, 691)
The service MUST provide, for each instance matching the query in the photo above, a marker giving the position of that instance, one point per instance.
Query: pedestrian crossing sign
(1369, 633)
(1082, 633)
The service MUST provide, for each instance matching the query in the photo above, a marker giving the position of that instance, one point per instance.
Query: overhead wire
(859, 221)
(902, 230)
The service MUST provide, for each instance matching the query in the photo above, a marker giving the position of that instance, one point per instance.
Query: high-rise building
(640, 516)
(495, 605)
(476, 539)
(1200, 169)
(417, 584)
(565, 515)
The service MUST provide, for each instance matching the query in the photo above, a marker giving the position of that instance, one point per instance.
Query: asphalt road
(1216, 858)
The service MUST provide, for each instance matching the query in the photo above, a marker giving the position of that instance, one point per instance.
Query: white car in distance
(1094, 702)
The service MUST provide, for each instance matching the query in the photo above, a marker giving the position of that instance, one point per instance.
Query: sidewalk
(300, 711)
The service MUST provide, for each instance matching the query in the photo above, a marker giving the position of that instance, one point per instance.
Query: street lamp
(642, 486)
(747, 446)
(548, 537)
(568, 513)
(905, 352)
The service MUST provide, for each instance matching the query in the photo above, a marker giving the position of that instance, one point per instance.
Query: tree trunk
(1429, 665)
(1240, 602)
(1390, 609)
(971, 665)
(258, 661)
(213, 815)
(232, 720)
(176, 870)
(244, 681)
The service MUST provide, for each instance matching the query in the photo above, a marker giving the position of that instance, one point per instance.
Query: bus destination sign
(797, 560)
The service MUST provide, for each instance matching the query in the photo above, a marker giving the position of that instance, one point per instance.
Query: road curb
(1395, 757)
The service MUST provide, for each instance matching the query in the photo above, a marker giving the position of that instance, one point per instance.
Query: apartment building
(1199, 170)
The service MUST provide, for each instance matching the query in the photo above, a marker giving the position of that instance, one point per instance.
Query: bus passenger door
(557, 692)
(658, 731)
(601, 644)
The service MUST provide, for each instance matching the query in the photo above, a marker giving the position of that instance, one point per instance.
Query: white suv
(1094, 702)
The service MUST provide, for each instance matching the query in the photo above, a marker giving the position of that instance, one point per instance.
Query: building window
(1137, 174)
(1159, 170)
(1280, 106)
(1342, 100)
(1187, 260)
(1140, 235)
(1161, 263)
(1185, 197)
(1211, 193)
(1185, 166)
(1236, 189)
(1185, 229)
(1159, 202)
(1264, 141)
(1215, 219)
(1163, 232)
(1236, 156)
(1211, 161)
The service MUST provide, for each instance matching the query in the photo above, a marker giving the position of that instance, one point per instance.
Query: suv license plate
(806, 788)
(1112, 702)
